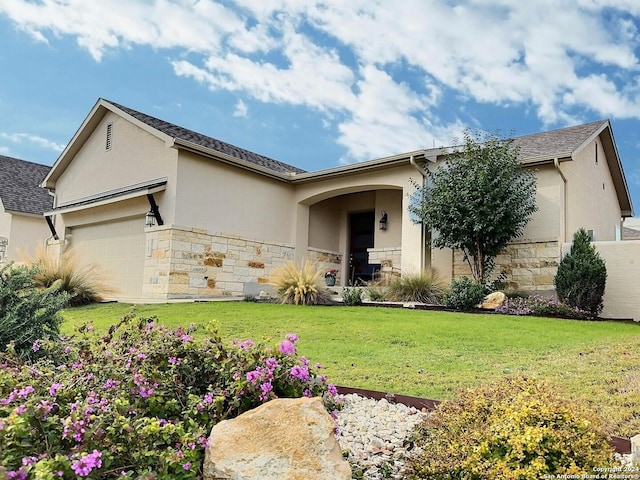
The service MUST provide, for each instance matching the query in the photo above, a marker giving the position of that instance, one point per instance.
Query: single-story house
(171, 213)
(22, 206)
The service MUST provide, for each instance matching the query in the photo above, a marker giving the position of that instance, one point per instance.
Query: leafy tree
(582, 275)
(481, 199)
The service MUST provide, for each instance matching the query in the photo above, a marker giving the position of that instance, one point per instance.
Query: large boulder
(493, 300)
(286, 438)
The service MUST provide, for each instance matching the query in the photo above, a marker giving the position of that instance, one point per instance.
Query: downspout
(423, 233)
(563, 220)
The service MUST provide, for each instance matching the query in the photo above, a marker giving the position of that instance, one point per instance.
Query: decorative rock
(283, 439)
(493, 300)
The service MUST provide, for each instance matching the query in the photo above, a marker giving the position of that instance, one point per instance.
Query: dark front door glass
(360, 239)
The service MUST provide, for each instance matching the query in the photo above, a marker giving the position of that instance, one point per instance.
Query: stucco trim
(111, 196)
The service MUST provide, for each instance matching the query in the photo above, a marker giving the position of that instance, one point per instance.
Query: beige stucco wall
(24, 232)
(621, 296)
(547, 223)
(221, 198)
(591, 197)
(136, 156)
(27, 233)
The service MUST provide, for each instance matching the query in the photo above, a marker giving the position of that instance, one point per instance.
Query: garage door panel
(118, 248)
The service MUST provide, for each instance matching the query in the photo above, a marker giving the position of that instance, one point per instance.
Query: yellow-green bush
(517, 428)
(300, 285)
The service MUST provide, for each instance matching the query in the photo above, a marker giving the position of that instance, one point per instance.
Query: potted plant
(330, 277)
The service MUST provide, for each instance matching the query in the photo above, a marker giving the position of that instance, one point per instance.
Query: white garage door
(119, 249)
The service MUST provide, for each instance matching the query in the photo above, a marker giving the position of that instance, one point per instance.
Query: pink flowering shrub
(538, 305)
(137, 402)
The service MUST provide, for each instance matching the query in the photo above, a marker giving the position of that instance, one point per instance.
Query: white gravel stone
(374, 432)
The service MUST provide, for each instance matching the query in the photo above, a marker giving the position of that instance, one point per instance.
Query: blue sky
(320, 83)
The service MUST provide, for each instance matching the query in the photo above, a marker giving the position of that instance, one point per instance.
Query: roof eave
(354, 168)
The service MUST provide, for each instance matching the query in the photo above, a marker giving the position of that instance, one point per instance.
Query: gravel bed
(373, 434)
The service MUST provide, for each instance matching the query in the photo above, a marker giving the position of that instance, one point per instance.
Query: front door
(361, 236)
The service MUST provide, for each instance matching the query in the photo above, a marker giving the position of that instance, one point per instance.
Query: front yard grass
(429, 353)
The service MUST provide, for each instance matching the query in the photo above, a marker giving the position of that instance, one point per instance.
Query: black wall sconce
(149, 219)
(383, 221)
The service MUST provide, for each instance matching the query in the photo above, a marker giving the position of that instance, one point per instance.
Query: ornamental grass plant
(84, 281)
(300, 285)
(424, 287)
(137, 401)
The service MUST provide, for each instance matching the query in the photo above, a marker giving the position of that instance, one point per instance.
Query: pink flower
(247, 344)
(36, 346)
(85, 464)
(292, 337)
(332, 390)
(187, 466)
(300, 373)
(266, 388)
(253, 376)
(286, 348)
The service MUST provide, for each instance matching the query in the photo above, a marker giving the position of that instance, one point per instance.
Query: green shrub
(516, 428)
(424, 287)
(137, 402)
(300, 285)
(352, 296)
(28, 314)
(84, 281)
(464, 294)
(582, 275)
(376, 293)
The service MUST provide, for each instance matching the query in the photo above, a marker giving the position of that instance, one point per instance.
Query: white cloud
(349, 60)
(240, 109)
(33, 139)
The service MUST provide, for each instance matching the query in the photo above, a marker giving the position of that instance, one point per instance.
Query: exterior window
(596, 153)
(109, 136)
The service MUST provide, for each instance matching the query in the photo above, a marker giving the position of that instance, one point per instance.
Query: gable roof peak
(178, 132)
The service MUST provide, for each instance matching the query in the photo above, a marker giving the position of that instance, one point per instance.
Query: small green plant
(465, 294)
(424, 287)
(352, 296)
(138, 401)
(376, 293)
(582, 275)
(517, 428)
(300, 285)
(84, 281)
(28, 314)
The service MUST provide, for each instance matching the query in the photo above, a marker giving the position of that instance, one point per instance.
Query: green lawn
(426, 353)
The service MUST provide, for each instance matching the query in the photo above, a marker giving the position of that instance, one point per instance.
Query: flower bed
(138, 402)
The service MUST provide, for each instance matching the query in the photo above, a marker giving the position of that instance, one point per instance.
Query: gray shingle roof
(20, 186)
(554, 142)
(176, 131)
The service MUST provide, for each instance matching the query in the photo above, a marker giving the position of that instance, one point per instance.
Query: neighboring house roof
(20, 189)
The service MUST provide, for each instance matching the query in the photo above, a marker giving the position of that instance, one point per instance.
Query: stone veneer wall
(385, 257)
(186, 262)
(326, 260)
(528, 265)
